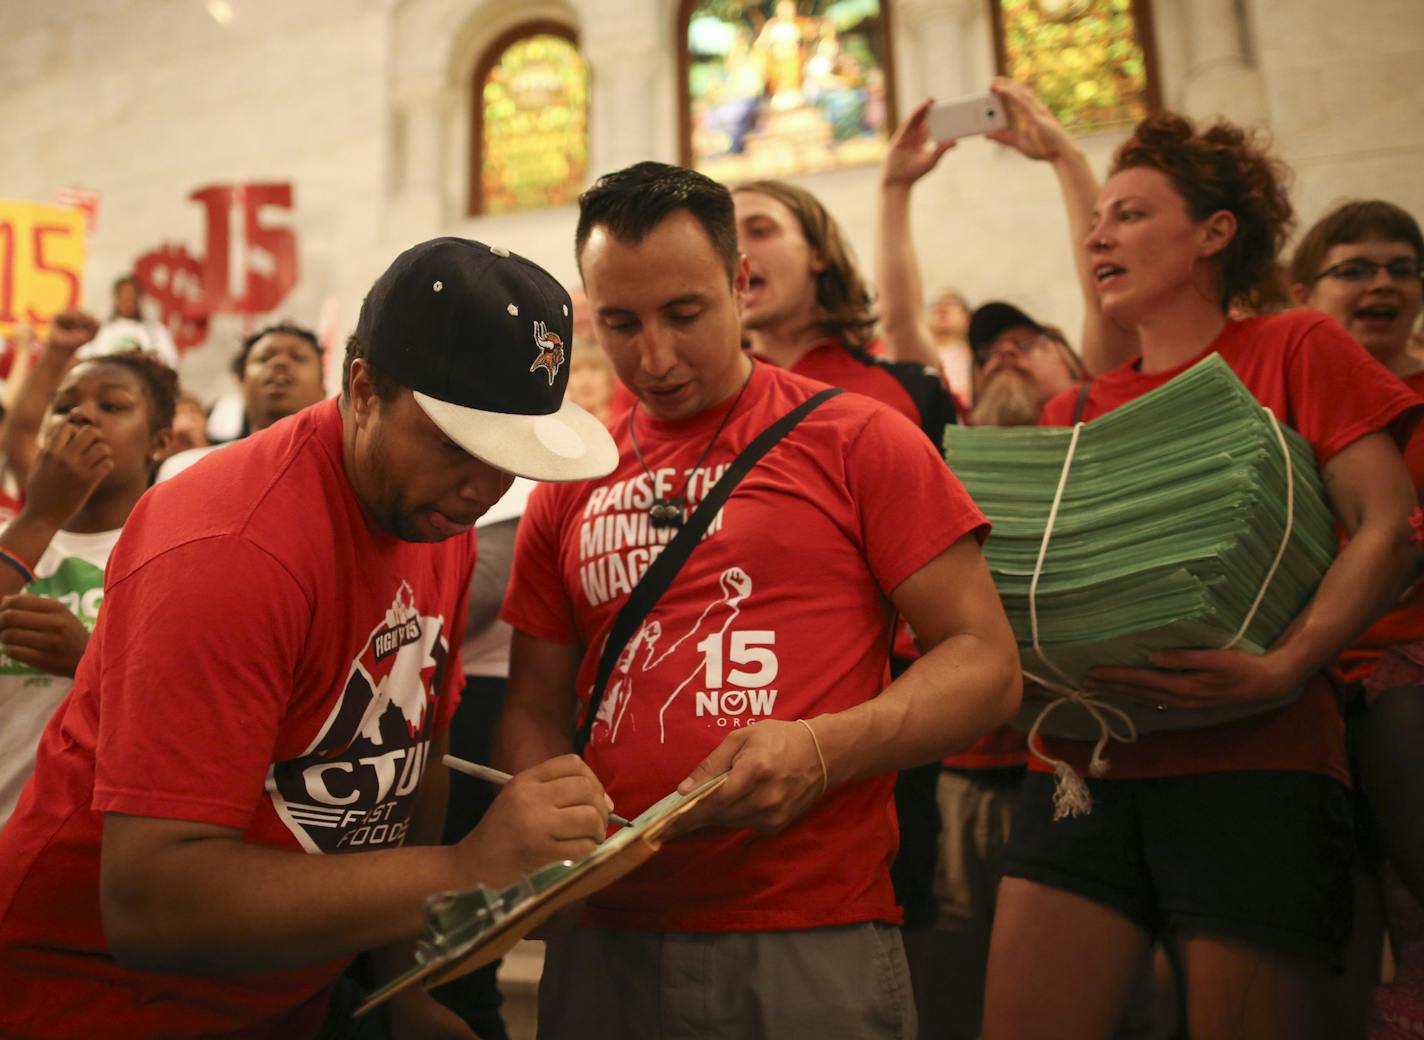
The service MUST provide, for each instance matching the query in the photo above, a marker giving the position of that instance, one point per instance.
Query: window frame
(1147, 36)
(475, 197)
(684, 91)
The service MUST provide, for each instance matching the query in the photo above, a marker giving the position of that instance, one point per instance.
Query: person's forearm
(529, 734)
(1079, 187)
(950, 697)
(27, 536)
(427, 827)
(22, 425)
(1105, 344)
(427, 817)
(1365, 580)
(223, 906)
(897, 278)
(19, 368)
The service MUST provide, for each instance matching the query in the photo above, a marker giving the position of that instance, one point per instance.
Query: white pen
(499, 776)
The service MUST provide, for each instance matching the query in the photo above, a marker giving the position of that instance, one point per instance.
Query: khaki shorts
(847, 981)
(976, 812)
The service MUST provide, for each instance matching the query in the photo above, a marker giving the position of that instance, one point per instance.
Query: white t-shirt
(177, 463)
(487, 651)
(71, 571)
(118, 334)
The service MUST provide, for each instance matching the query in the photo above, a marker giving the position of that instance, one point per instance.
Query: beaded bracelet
(6, 556)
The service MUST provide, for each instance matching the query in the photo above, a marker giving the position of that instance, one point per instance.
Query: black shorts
(1260, 857)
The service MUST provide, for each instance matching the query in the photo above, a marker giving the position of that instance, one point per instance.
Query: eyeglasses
(1022, 344)
(1358, 269)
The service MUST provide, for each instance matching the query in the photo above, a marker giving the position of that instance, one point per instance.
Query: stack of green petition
(1174, 509)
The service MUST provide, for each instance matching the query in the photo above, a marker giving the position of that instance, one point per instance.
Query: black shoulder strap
(925, 387)
(660, 573)
(1081, 405)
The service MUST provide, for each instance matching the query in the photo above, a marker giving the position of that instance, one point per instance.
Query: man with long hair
(808, 309)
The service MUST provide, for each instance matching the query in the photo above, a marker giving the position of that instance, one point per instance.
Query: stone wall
(364, 106)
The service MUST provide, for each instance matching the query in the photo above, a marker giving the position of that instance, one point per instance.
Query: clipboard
(465, 930)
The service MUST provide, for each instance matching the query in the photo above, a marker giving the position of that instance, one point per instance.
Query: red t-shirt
(916, 392)
(1318, 380)
(782, 612)
(1405, 623)
(265, 662)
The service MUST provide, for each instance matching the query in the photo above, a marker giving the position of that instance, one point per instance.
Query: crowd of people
(716, 535)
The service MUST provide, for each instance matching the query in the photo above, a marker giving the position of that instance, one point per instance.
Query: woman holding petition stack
(1233, 841)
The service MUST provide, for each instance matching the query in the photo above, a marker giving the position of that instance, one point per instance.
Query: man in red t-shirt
(274, 670)
(808, 310)
(765, 657)
(1019, 365)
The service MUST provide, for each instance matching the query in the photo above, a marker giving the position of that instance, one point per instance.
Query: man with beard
(280, 372)
(1019, 365)
(242, 789)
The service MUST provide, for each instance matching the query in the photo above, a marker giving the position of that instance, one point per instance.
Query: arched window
(776, 87)
(529, 141)
(1091, 61)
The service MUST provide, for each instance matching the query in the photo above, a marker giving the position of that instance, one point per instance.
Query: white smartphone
(966, 116)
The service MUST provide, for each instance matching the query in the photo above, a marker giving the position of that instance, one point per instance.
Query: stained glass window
(531, 124)
(1089, 60)
(776, 87)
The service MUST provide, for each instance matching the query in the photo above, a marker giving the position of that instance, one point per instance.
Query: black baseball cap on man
(483, 337)
(992, 320)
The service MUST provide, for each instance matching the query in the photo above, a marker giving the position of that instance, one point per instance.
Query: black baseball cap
(990, 321)
(483, 337)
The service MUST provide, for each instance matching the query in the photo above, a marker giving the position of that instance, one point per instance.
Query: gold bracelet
(822, 758)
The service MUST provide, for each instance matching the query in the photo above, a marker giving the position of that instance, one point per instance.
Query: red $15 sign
(189, 289)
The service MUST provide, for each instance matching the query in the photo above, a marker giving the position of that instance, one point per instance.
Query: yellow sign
(41, 262)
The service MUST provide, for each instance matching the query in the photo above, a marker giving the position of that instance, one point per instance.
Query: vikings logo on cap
(551, 351)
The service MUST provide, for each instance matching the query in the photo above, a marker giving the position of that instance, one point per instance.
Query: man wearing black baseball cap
(270, 683)
(1019, 364)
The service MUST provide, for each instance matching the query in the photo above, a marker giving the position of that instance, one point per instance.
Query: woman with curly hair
(1232, 842)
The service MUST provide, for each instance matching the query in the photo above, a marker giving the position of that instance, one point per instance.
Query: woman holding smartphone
(1231, 841)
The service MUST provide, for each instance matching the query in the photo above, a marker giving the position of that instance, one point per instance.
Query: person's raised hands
(554, 811)
(1036, 131)
(70, 330)
(42, 633)
(912, 152)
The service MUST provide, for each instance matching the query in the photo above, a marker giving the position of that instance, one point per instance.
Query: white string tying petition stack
(1071, 796)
